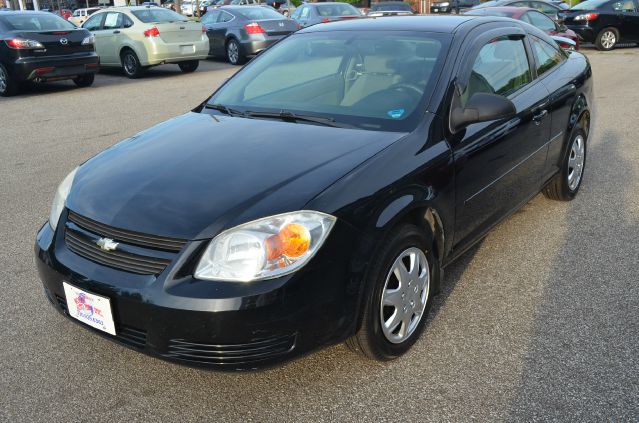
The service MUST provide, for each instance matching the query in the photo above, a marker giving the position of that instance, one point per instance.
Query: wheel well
(228, 40)
(125, 48)
(584, 122)
(428, 219)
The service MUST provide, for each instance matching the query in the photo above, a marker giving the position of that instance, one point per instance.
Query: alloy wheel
(405, 295)
(576, 162)
(608, 39)
(233, 52)
(129, 64)
(3, 80)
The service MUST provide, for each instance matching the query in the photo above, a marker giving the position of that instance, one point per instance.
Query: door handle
(539, 116)
(117, 31)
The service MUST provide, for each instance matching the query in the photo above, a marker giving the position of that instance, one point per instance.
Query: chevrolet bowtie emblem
(107, 244)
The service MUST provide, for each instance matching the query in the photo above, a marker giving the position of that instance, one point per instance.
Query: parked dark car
(605, 23)
(549, 8)
(317, 194)
(313, 13)
(452, 6)
(41, 47)
(533, 17)
(238, 32)
(390, 8)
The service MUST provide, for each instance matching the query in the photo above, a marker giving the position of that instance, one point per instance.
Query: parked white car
(81, 15)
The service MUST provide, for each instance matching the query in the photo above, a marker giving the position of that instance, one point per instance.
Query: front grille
(128, 237)
(179, 349)
(134, 263)
(125, 334)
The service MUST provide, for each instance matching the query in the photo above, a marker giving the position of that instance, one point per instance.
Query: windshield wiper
(293, 117)
(224, 109)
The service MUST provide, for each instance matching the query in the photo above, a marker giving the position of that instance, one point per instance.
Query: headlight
(265, 248)
(60, 198)
(90, 40)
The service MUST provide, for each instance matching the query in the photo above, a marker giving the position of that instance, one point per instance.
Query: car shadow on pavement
(582, 361)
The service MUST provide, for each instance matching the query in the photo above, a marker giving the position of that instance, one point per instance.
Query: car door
(628, 12)
(498, 164)
(225, 21)
(113, 38)
(209, 20)
(94, 25)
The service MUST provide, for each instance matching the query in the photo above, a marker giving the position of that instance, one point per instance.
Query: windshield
(158, 15)
(337, 9)
(35, 22)
(258, 13)
(590, 5)
(374, 80)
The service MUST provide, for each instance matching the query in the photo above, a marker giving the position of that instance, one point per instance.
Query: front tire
(607, 39)
(402, 279)
(85, 80)
(234, 52)
(8, 86)
(131, 65)
(565, 185)
(190, 66)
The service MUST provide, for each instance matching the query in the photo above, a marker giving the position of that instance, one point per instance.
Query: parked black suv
(604, 22)
(452, 6)
(39, 47)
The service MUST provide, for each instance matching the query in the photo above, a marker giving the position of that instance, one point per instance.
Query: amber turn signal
(293, 240)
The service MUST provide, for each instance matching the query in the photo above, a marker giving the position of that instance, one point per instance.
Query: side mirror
(481, 107)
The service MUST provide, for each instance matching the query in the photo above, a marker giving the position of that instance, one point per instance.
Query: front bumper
(218, 325)
(52, 68)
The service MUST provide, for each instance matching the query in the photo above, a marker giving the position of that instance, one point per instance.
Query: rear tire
(190, 66)
(8, 86)
(607, 39)
(85, 80)
(565, 185)
(234, 53)
(131, 64)
(389, 324)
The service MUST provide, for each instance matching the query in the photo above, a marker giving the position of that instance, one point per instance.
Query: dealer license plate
(93, 310)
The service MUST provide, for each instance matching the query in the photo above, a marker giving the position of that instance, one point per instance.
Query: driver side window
(501, 67)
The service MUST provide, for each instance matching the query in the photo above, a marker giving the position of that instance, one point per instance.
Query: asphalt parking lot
(538, 322)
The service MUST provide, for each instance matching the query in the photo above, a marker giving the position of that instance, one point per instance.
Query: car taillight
(153, 32)
(203, 29)
(325, 20)
(587, 17)
(254, 28)
(21, 43)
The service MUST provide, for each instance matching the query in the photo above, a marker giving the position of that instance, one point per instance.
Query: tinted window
(540, 20)
(546, 56)
(258, 13)
(375, 80)
(623, 6)
(93, 23)
(306, 11)
(544, 7)
(337, 10)
(225, 17)
(35, 22)
(157, 15)
(501, 67)
(210, 17)
(590, 5)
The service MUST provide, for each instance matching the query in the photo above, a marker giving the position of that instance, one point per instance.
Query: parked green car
(135, 38)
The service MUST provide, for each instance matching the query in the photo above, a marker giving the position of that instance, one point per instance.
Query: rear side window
(94, 22)
(501, 67)
(157, 15)
(113, 20)
(546, 55)
(540, 21)
(35, 22)
(623, 6)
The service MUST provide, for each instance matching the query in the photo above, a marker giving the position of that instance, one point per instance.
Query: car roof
(515, 11)
(444, 23)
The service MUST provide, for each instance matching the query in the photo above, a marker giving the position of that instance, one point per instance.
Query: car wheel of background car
(607, 39)
(8, 86)
(234, 52)
(131, 64)
(402, 278)
(85, 80)
(189, 66)
(565, 185)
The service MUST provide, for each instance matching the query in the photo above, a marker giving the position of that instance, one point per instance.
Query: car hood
(197, 174)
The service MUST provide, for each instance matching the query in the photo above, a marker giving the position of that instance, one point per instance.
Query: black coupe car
(605, 23)
(40, 47)
(317, 195)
